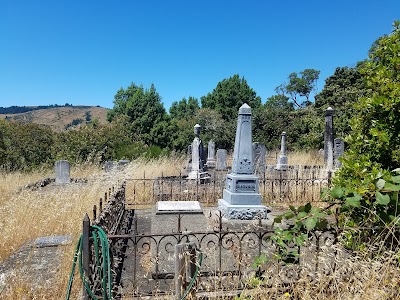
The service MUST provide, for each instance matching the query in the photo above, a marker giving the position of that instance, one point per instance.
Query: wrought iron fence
(291, 186)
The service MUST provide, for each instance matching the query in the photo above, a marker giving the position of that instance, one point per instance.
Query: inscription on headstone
(221, 160)
(62, 170)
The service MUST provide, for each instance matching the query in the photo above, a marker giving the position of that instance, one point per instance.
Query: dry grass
(53, 210)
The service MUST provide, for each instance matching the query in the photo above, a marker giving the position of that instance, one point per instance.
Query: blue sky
(82, 52)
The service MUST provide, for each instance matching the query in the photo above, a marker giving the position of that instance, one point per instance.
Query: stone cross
(62, 170)
(259, 154)
(338, 152)
(282, 163)
(328, 138)
(211, 154)
(221, 160)
(241, 197)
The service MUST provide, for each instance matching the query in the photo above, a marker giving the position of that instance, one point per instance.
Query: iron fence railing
(292, 186)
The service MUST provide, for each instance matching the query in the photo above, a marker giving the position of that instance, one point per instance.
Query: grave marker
(282, 163)
(222, 155)
(241, 197)
(259, 154)
(338, 152)
(62, 170)
(211, 154)
(328, 138)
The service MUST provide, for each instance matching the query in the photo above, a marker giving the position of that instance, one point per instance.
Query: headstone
(282, 163)
(123, 162)
(109, 165)
(241, 197)
(62, 170)
(328, 138)
(197, 167)
(175, 207)
(338, 152)
(222, 155)
(259, 155)
(211, 154)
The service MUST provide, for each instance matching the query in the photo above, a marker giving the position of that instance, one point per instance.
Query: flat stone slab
(175, 207)
(52, 241)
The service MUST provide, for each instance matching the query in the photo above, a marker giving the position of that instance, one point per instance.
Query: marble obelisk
(241, 197)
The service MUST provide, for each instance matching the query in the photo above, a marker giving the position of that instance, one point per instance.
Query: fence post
(329, 178)
(101, 205)
(86, 253)
(185, 268)
(94, 212)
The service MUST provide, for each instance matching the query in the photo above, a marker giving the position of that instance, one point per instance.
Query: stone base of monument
(203, 177)
(178, 207)
(242, 212)
(211, 164)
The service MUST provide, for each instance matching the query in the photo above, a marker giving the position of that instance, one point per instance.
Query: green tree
(341, 91)
(184, 108)
(273, 118)
(364, 182)
(300, 86)
(229, 95)
(144, 109)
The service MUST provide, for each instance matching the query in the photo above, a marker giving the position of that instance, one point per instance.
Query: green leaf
(299, 240)
(287, 235)
(337, 192)
(288, 215)
(380, 184)
(292, 208)
(302, 215)
(278, 219)
(396, 179)
(353, 201)
(322, 224)
(391, 187)
(310, 223)
(382, 199)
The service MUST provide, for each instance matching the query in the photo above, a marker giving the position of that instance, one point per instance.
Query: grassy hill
(60, 118)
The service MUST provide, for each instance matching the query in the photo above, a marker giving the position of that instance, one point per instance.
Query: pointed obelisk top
(245, 109)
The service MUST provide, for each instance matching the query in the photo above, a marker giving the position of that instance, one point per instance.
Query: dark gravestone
(338, 152)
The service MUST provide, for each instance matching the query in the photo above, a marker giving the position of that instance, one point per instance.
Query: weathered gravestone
(211, 154)
(282, 163)
(338, 152)
(241, 197)
(109, 166)
(197, 167)
(328, 138)
(222, 155)
(259, 154)
(62, 170)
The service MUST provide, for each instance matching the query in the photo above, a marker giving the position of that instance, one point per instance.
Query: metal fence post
(86, 253)
(185, 268)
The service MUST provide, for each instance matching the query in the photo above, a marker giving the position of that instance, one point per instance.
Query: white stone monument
(241, 197)
(282, 163)
(211, 155)
(62, 170)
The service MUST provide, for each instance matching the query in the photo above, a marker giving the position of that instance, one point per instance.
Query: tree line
(139, 124)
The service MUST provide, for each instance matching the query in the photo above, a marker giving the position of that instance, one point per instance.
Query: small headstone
(222, 155)
(62, 169)
(241, 197)
(211, 154)
(197, 170)
(259, 154)
(282, 163)
(109, 166)
(338, 152)
(123, 162)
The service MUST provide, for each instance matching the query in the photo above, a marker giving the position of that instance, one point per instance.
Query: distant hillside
(58, 118)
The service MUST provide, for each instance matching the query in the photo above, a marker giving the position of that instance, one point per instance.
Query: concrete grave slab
(175, 207)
